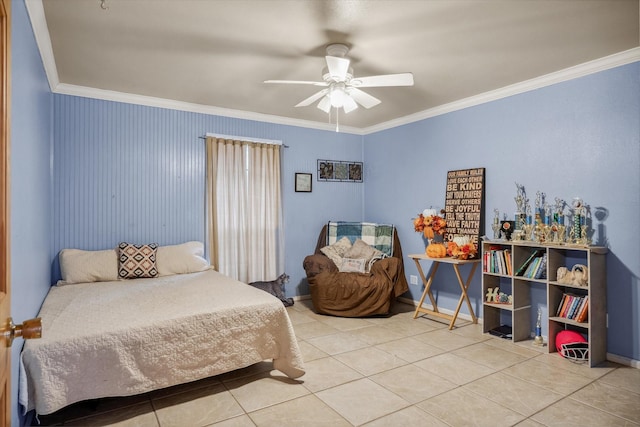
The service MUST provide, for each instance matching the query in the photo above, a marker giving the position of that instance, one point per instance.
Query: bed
(126, 337)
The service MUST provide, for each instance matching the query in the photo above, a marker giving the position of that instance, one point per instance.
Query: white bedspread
(128, 337)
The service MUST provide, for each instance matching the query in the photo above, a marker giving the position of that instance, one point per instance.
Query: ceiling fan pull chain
(337, 120)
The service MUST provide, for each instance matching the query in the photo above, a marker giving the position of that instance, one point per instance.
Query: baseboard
(301, 297)
(623, 360)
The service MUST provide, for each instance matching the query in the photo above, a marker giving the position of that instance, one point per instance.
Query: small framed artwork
(303, 182)
(325, 170)
(339, 171)
(355, 172)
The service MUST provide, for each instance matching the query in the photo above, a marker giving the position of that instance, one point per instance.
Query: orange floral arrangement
(429, 225)
(466, 251)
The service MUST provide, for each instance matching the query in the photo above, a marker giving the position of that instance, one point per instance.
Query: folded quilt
(379, 236)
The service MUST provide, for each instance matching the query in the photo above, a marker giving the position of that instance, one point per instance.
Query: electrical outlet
(413, 279)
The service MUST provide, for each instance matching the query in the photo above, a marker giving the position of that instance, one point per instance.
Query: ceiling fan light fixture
(338, 94)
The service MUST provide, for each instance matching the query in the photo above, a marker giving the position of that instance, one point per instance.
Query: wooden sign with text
(464, 204)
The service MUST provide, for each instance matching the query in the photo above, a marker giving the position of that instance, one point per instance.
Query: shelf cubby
(520, 313)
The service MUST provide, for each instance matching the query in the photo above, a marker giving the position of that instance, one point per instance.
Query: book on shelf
(583, 315)
(563, 301)
(573, 307)
(502, 268)
(541, 271)
(563, 304)
(566, 306)
(525, 265)
(570, 303)
(533, 266)
(491, 260)
(494, 262)
(507, 257)
(581, 308)
(497, 260)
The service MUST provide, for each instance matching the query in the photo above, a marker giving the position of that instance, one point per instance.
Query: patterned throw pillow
(137, 261)
(361, 250)
(336, 251)
(350, 265)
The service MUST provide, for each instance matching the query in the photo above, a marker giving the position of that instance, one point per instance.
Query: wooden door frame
(5, 246)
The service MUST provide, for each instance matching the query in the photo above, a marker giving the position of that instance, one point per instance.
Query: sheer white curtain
(243, 208)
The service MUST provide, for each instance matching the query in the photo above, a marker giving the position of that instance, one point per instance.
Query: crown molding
(35, 10)
(149, 101)
(591, 67)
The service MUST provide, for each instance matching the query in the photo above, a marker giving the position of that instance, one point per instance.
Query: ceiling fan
(342, 89)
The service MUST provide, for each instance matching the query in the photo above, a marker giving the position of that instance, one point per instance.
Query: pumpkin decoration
(462, 240)
(429, 212)
(462, 248)
(436, 250)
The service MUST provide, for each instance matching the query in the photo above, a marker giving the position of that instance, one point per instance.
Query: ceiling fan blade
(363, 98)
(310, 100)
(338, 67)
(297, 82)
(403, 79)
(325, 104)
(349, 104)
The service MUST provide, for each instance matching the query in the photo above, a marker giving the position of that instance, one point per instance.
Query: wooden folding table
(464, 286)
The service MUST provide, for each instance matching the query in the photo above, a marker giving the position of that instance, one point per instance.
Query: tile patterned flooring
(391, 371)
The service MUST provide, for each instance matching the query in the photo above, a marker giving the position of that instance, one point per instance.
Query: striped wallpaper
(124, 172)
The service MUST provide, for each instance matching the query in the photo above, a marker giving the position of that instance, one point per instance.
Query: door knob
(29, 329)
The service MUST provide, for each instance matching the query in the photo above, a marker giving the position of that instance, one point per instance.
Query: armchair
(354, 294)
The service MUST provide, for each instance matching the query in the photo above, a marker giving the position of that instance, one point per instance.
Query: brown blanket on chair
(355, 294)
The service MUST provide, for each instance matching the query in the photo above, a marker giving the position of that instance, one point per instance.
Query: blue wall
(578, 138)
(126, 172)
(89, 173)
(31, 138)
(121, 171)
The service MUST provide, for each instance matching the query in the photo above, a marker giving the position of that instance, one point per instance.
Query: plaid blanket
(380, 236)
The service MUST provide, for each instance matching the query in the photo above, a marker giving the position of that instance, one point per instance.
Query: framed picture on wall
(303, 182)
(339, 171)
(355, 172)
(325, 170)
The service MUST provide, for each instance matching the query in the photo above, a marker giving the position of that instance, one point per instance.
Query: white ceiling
(217, 53)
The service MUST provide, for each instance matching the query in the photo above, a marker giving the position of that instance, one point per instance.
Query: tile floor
(393, 371)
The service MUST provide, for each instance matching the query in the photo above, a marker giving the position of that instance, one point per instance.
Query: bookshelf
(501, 262)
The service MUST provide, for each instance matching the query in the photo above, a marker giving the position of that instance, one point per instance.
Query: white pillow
(361, 249)
(350, 265)
(336, 251)
(179, 259)
(78, 266)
